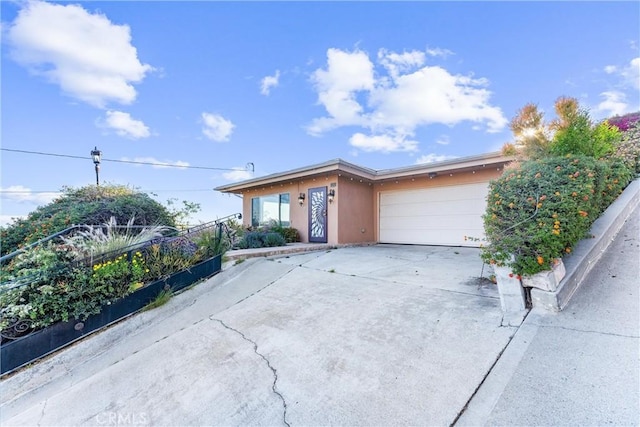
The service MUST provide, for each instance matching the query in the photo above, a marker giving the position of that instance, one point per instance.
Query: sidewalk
(579, 366)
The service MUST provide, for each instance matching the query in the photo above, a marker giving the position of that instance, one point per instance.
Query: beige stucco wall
(354, 201)
(480, 175)
(355, 207)
(298, 214)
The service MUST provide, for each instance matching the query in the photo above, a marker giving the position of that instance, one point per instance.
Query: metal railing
(59, 269)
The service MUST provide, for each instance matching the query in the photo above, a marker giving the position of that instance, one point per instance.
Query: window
(274, 207)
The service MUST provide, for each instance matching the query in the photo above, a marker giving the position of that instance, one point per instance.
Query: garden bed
(21, 351)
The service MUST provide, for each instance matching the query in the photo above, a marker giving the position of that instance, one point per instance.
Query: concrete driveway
(378, 335)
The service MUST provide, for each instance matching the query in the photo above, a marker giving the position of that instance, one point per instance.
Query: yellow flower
(540, 260)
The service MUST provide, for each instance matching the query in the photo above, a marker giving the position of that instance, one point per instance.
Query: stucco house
(337, 202)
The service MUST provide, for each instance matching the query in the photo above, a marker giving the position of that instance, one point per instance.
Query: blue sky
(283, 85)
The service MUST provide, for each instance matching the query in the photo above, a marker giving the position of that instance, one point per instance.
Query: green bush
(628, 150)
(579, 136)
(48, 283)
(538, 210)
(261, 239)
(289, 234)
(90, 205)
(210, 244)
(109, 238)
(163, 260)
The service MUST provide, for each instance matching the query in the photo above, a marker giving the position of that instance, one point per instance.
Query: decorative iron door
(318, 215)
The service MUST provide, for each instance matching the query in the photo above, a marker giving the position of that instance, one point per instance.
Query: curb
(294, 248)
(588, 251)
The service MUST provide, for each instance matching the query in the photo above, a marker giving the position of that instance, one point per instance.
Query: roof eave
(339, 166)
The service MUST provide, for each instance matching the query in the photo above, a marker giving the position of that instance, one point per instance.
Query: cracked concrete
(275, 372)
(400, 335)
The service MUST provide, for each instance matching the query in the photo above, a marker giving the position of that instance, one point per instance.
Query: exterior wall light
(432, 175)
(301, 199)
(332, 195)
(96, 155)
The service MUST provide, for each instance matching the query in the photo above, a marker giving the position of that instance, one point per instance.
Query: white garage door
(433, 216)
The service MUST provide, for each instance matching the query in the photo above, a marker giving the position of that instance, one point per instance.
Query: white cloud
(628, 75)
(436, 51)
(269, 82)
(392, 105)
(22, 194)
(238, 174)
(88, 56)
(396, 63)
(631, 73)
(614, 103)
(433, 95)
(216, 127)
(125, 125)
(432, 158)
(384, 143)
(443, 140)
(346, 74)
(159, 164)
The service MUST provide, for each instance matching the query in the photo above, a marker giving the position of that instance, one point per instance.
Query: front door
(318, 215)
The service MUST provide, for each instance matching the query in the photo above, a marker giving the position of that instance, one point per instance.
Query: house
(338, 202)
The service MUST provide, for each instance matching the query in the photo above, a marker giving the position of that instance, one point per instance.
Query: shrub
(117, 277)
(39, 305)
(210, 244)
(628, 150)
(261, 239)
(162, 261)
(109, 238)
(87, 205)
(40, 265)
(538, 210)
(579, 136)
(571, 132)
(289, 234)
(273, 239)
(626, 122)
(53, 289)
(181, 246)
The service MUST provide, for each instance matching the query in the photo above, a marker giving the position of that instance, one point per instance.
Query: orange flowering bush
(539, 209)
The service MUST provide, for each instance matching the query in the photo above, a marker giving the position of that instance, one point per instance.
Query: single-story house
(337, 202)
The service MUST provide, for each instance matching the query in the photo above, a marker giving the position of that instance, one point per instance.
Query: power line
(168, 165)
(58, 191)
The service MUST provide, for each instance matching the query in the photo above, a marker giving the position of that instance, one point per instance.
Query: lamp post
(95, 155)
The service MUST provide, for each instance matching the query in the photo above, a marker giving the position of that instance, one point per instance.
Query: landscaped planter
(511, 286)
(547, 280)
(19, 352)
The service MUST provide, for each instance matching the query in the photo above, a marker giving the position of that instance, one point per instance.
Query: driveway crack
(588, 331)
(44, 407)
(274, 371)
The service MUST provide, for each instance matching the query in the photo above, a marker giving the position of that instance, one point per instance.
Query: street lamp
(95, 155)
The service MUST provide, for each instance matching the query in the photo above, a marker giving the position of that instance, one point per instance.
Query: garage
(433, 216)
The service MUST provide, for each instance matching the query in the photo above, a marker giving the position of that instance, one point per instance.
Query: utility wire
(58, 191)
(249, 165)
